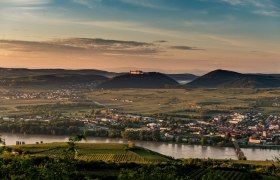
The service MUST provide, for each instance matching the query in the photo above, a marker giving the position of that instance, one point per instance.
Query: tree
(72, 146)
(2, 141)
(203, 140)
(153, 172)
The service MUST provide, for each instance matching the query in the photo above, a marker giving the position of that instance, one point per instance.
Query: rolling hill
(53, 80)
(118, 153)
(23, 77)
(229, 79)
(20, 72)
(146, 80)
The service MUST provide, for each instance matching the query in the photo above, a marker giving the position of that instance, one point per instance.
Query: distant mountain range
(146, 80)
(20, 77)
(11, 72)
(230, 79)
(53, 81)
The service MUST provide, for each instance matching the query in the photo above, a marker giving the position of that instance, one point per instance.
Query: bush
(131, 146)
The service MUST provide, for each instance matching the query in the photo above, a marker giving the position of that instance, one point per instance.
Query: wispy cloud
(233, 2)
(96, 46)
(87, 3)
(147, 4)
(137, 27)
(160, 41)
(256, 3)
(24, 2)
(185, 48)
(268, 13)
(86, 45)
(260, 7)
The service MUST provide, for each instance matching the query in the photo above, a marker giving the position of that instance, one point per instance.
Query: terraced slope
(96, 152)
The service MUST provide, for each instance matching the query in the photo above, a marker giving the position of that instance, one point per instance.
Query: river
(174, 150)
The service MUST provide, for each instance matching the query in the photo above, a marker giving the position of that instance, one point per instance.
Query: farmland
(221, 174)
(112, 161)
(97, 152)
(108, 113)
(189, 103)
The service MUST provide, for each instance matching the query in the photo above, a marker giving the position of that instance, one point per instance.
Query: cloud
(267, 13)
(233, 2)
(147, 4)
(185, 48)
(161, 41)
(24, 2)
(33, 46)
(256, 3)
(87, 3)
(260, 7)
(90, 46)
(87, 45)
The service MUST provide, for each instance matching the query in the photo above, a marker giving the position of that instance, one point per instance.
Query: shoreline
(267, 147)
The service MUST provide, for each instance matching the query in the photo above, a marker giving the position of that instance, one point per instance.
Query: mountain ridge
(145, 80)
(230, 79)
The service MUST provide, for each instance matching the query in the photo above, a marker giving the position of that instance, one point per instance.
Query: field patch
(108, 152)
(189, 103)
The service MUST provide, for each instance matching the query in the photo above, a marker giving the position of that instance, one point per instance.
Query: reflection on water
(262, 154)
(174, 150)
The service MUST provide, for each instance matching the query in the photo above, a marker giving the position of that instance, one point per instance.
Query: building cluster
(136, 72)
(62, 94)
(247, 128)
(33, 118)
(244, 128)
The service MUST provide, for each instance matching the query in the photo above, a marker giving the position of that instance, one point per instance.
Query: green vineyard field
(107, 152)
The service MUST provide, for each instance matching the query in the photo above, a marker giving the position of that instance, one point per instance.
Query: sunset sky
(190, 36)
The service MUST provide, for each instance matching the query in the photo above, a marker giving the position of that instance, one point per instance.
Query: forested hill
(230, 79)
(22, 72)
(146, 80)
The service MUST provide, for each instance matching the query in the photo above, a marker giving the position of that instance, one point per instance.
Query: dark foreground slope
(230, 79)
(146, 80)
(118, 161)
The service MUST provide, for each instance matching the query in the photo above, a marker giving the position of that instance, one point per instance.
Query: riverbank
(230, 145)
(113, 160)
(276, 147)
(169, 149)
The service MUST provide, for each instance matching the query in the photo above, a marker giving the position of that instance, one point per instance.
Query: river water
(174, 150)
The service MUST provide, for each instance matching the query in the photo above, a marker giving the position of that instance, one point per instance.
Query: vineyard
(101, 159)
(220, 174)
(97, 152)
(128, 157)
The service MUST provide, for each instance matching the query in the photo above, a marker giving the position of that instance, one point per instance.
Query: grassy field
(11, 105)
(107, 152)
(184, 103)
(189, 102)
(42, 106)
(113, 152)
(257, 163)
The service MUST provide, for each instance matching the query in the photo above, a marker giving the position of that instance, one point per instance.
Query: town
(59, 94)
(244, 128)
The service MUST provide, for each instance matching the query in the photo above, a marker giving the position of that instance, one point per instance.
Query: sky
(175, 36)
